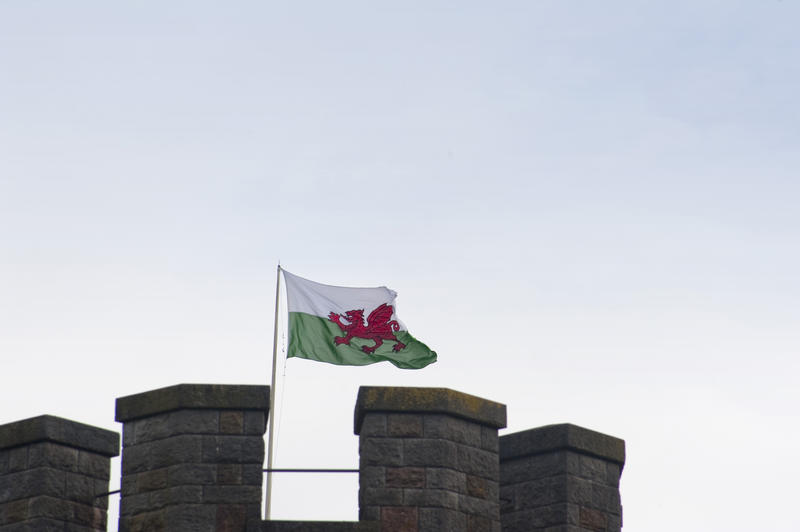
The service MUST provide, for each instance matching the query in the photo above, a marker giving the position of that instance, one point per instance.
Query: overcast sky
(588, 209)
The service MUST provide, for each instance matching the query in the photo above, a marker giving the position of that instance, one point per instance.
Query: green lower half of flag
(313, 338)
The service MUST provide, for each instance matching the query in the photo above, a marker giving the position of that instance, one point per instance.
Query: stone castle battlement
(430, 460)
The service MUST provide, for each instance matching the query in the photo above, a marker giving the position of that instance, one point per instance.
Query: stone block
(441, 520)
(427, 452)
(129, 485)
(94, 465)
(162, 453)
(380, 497)
(14, 511)
(155, 479)
(174, 423)
(192, 474)
(372, 477)
(399, 519)
(231, 422)
(18, 459)
(369, 513)
(32, 483)
(231, 518)
(592, 468)
(541, 492)
(55, 455)
(252, 474)
(79, 487)
(477, 523)
(232, 449)
(613, 473)
(594, 520)
(134, 503)
(175, 496)
(232, 495)
(405, 477)
(229, 474)
(490, 439)
(404, 425)
(145, 522)
(431, 498)
(459, 430)
(475, 461)
(374, 425)
(476, 506)
(41, 524)
(444, 478)
(381, 451)
(194, 517)
(533, 467)
(255, 423)
(477, 487)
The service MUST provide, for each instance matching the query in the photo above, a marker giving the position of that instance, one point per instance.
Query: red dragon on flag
(379, 327)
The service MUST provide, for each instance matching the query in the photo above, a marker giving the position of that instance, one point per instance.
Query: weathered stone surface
(428, 400)
(231, 422)
(59, 430)
(444, 478)
(441, 520)
(427, 452)
(231, 518)
(172, 423)
(454, 429)
(374, 424)
(405, 477)
(399, 519)
(372, 477)
(404, 425)
(562, 437)
(32, 483)
(381, 451)
(232, 495)
(193, 396)
(161, 453)
(381, 496)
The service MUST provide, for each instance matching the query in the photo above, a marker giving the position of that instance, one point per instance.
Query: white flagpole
(268, 498)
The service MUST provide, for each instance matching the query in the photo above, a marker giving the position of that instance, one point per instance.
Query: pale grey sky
(588, 209)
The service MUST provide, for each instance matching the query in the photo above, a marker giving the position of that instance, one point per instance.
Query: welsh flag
(349, 326)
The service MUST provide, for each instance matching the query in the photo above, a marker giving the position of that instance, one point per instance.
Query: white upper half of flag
(320, 299)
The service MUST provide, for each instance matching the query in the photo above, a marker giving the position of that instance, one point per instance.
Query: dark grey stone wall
(54, 475)
(428, 459)
(192, 458)
(561, 478)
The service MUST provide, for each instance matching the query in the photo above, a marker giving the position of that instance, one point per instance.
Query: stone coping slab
(428, 400)
(562, 437)
(194, 396)
(59, 430)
